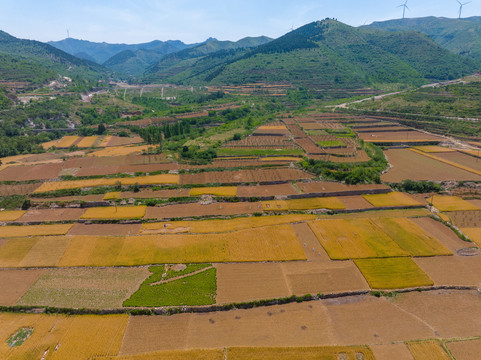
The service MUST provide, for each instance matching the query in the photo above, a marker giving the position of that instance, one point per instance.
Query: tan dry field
(150, 194)
(461, 159)
(311, 246)
(410, 165)
(121, 141)
(355, 202)
(465, 350)
(452, 270)
(397, 351)
(243, 176)
(63, 214)
(14, 283)
(405, 136)
(466, 219)
(452, 314)
(100, 288)
(68, 199)
(266, 190)
(30, 172)
(247, 282)
(189, 210)
(105, 229)
(117, 169)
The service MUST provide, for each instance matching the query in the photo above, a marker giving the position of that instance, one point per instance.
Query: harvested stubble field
(22, 189)
(305, 353)
(120, 151)
(466, 219)
(457, 159)
(105, 229)
(115, 212)
(333, 187)
(465, 350)
(217, 191)
(266, 190)
(221, 226)
(393, 273)
(34, 230)
(414, 166)
(30, 172)
(392, 199)
(244, 176)
(77, 184)
(98, 288)
(428, 350)
(58, 337)
(276, 243)
(331, 203)
(192, 210)
(198, 354)
(433, 149)
(151, 194)
(452, 203)
(399, 136)
(375, 238)
(118, 169)
(452, 270)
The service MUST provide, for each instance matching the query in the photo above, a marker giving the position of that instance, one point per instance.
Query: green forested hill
(15, 69)
(461, 36)
(323, 53)
(49, 57)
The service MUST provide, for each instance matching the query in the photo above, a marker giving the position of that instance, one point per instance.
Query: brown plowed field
(409, 165)
(116, 169)
(30, 172)
(461, 159)
(452, 270)
(247, 282)
(189, 210)
(465, 350)
(391, 352)
(105, 229)
(355, 202)
(329, 187)
(14, 283)
(266, 190)
(407, 136)
(51, 215)
(244, 176)
(23, 189)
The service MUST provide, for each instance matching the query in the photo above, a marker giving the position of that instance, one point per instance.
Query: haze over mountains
(321, 54)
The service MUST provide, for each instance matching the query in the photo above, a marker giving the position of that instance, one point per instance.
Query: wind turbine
(461, 7)
(405, 6)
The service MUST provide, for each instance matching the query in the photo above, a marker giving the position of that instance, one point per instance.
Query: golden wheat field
(112, 195)
(115, 212)
(393, 273)
(332, 203)
(433, 149)
(199, 354)
(34, 230)
(392, 199)
(451, 203)
(11, 215)
(87, 141)
(427, 350)
(301, 353)
(61, 337)
(119, 150)
(221, 225)
(67, 141)
(271, 243)
(77, 184)
(217, 191)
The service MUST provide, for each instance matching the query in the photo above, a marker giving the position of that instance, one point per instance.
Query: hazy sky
(134, 21)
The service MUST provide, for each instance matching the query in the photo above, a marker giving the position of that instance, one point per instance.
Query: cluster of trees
(420, 187)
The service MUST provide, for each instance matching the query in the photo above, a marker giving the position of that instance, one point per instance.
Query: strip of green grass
(197, 289)
(331, 144)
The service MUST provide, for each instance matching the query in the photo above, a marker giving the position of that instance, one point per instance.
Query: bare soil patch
(452, 314)
(247, 282)
(410, 165)
(311, 246)
(189, 210)
(465, 350)
(452, 270)
(116, 169)
(23, 189)
(30, 172)
(407, 136)
(52, 214)
(330, 187)
(105, 229)
(14, 283)
(150, 194)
